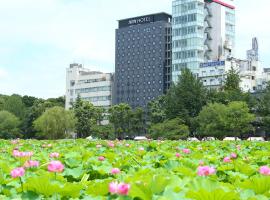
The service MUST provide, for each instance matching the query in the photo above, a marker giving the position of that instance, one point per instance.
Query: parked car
(193, 139)
(208, 139)
(256, 139)
(140, 138)
(231, 139)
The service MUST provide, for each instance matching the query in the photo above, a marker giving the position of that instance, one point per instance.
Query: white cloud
(3, 73)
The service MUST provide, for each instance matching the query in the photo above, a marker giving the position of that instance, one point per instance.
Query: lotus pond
(158, 170)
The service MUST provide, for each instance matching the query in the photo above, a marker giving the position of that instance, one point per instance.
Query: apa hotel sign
(141, 20)
(136, 21)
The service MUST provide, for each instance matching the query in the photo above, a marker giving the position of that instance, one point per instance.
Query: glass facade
(230, 25)
(188, 36)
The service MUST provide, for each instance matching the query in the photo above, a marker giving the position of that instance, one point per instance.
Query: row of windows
(144, 30)
(185, 19)
(184, 7)
(213, 72)
(190, 65)
(230, 28)
(133, 70)
(184, 31)
(95, 99)
(129, 99)
(187, 43)
(230, 16)
(138, 91)
(93, 89)
(184, 54)
(146, 54)
(92, 80)
(139, 83)
(138, 38)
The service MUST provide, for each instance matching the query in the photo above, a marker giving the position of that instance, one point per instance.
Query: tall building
(142, 59)
(202, 31)
(92, 86)
(253, 54)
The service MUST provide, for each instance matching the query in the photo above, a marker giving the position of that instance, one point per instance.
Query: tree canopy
(9, 124)
(55, 123)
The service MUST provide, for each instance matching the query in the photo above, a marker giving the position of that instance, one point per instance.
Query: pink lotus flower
(31, 163)
(123, 188)
(115, 171)
(127, 145)
(98, 146)
(110, 144)
(113, 187)
(55, 166)
(233, 155)
(18, 172)
(265, 170)
(54, 155)
(101, 158)
(186, 151)
(206, 170)
(227, 159)
(14, 141)
(17, 153)
(120, 189)
(178, 155)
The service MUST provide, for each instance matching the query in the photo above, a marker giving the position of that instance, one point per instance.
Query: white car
(140, 138)
(208, 139)
(231, 139)
(256, 139)
(193, 139)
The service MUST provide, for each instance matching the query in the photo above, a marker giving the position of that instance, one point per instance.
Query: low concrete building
(213, 74)
(92, 86)
(263, 80)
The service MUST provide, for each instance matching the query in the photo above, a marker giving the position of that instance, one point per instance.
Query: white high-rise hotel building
(203, 31)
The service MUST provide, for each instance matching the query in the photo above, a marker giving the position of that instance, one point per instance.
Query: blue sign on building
(213, 64)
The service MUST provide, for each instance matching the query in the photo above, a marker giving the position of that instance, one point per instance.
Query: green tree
(87, 116)
(119, 116)
(104, 132)
(211, 121)
(137, 122)
(29, 101)
(185, 99)
(264, 109)
(238, 118)
(231, 91)
(219, 120)
(173, 129)
(34, 112)
(156, 110)
(233, 80)
(15, 105)
(55, 123)
(9, 124)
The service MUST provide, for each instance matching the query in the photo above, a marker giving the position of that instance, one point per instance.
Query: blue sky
(40, 38)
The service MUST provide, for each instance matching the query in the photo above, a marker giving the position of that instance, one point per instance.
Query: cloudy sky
(39, 38)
